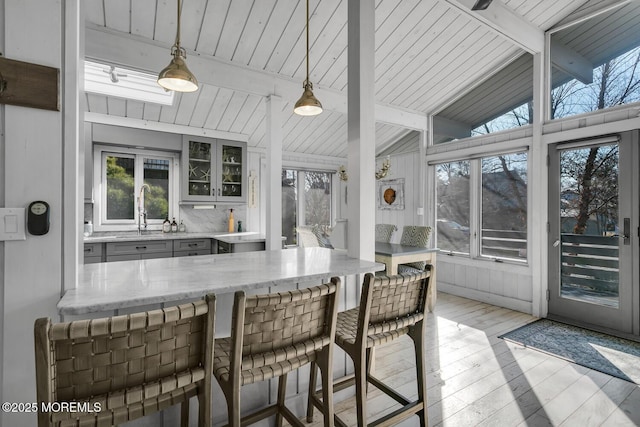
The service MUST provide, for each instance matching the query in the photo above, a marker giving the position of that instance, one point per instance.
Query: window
(119, 177)
(496, 212)
(306, 200)
(595, 63)
(504, 206)
(452, 225)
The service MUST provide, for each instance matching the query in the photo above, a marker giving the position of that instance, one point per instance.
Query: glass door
(590, 264)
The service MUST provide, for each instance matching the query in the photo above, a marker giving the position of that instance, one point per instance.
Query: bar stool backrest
(125, 359)
(300, 318)
(391, 303)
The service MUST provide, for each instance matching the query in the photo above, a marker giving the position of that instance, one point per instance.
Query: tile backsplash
(211, 220)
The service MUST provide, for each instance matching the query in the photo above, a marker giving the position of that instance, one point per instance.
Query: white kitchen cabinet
(213, 170)
(92, 253)
(191, 247)
(145, 249)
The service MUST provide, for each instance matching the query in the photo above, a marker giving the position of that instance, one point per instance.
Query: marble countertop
(131, 236)
(122, 284)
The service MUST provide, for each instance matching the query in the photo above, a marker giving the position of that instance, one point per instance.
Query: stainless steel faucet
(142, 212)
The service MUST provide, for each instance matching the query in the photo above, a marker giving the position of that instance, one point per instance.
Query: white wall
(403, 166)
(33, 167)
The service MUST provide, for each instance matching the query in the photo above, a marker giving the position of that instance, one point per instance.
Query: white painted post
(538, 183)
(274, 173)
(361, 129)
(74, 145)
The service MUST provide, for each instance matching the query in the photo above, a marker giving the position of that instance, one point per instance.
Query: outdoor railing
(590, 262)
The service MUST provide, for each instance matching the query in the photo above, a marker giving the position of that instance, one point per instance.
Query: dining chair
(306, 237)
(117, 369)
(384, 232)
(272, 335)
(414, 235)
(390, 306)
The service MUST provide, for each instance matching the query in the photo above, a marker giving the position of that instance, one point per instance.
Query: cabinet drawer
(93, 250)
(139, 247)
(191, 245)
(192, 252)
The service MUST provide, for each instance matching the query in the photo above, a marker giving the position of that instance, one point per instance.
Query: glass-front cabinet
(213, 170)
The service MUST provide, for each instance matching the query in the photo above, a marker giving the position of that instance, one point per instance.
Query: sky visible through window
(615, 82)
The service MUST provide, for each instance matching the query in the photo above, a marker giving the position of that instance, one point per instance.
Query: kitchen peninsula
(104, 287)
(116, 288)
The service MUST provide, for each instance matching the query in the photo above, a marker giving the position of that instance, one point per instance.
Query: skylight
(124, 83)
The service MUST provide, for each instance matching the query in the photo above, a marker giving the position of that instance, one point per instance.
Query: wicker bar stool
(120, 368)
(272, 335)
(390, 306)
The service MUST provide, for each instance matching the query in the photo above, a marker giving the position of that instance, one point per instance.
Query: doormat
(605, 353)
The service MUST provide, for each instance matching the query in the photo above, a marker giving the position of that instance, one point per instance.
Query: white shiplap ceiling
(427, 53)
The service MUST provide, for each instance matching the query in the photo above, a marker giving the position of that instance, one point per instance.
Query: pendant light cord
(307, 81)
(178, 31)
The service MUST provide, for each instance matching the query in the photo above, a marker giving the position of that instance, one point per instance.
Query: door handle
(626, 231)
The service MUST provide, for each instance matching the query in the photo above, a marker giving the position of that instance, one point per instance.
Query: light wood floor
(477, 379)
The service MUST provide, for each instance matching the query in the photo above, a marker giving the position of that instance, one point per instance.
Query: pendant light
(308, 104)
(176, 76)
(481, 5)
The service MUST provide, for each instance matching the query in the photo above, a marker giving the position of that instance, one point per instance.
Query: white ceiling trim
(106, 119)
(143, 54)
(506, 22)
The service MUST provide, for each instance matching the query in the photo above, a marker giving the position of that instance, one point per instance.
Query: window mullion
(475, 203)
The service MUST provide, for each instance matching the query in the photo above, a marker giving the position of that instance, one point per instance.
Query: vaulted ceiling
(427, 54)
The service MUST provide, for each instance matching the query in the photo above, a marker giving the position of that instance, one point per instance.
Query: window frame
(300, 172)
(100, 154)
(475, 206)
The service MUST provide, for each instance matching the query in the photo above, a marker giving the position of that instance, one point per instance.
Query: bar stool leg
(282, 392)
(233, 407)
(325, 362)
(416, 332)
(360, 368)
(312, 389)
(184, 414)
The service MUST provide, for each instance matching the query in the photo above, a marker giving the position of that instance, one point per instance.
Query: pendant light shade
(308, 104)
(176, 76)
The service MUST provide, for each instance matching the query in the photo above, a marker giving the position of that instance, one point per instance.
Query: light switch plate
(12, 224)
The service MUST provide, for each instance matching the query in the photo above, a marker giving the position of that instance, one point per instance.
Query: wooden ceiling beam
(506, 22)
(140, 53)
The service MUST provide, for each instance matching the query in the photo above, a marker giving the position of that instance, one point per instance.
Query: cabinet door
(232, 171)
(198, 174)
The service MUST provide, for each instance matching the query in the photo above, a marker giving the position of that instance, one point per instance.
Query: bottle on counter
(182, 228)
(166, 225)
(88, 228)
(174, 225)
(239, 226)
(231, 227)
